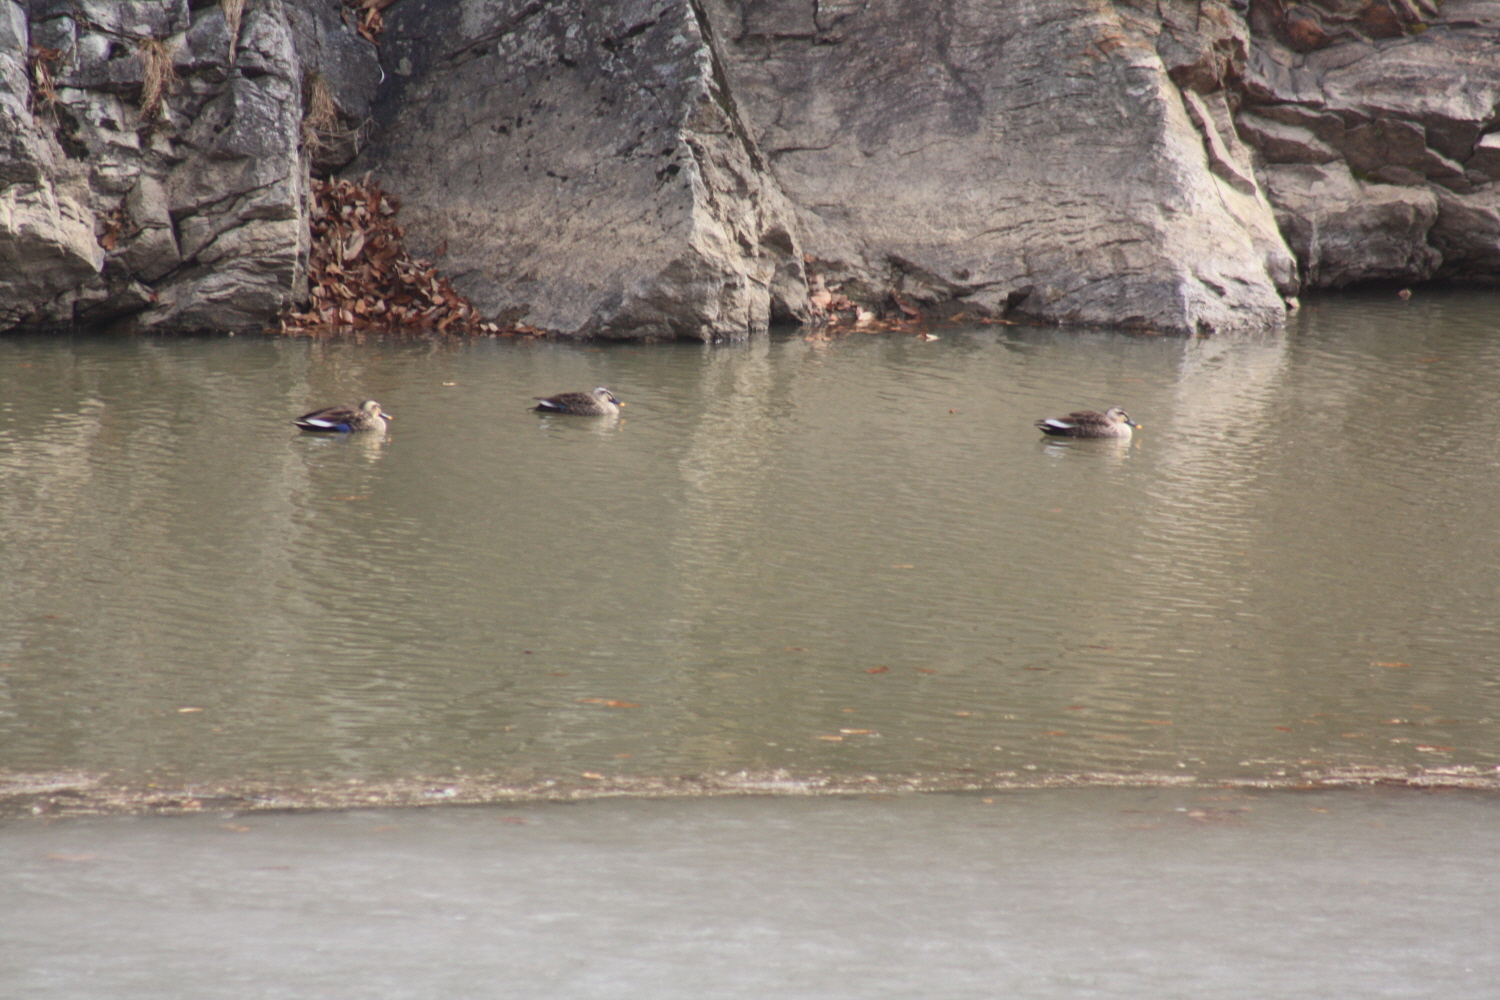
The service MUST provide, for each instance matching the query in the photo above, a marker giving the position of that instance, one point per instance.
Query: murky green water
(850, 557)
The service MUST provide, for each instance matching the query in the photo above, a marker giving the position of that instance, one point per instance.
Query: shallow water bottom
(1155, 893)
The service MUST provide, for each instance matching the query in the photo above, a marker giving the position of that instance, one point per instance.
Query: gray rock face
(47, 246)
(1375, 143)
(1033, 156)
(586, 168)
(192, 216)
(1344, 230)
(681, 168)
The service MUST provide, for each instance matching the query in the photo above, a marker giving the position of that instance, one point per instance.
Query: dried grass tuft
(320, 115)
(43, 87)
(234, 13)
(157, 76)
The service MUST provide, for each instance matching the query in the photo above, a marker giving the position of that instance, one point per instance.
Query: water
(1091, 893)
(847, 557)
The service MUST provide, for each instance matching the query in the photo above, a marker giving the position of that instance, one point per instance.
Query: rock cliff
(156, 157)
(585, 167)
(1374, 127)
(685, 168)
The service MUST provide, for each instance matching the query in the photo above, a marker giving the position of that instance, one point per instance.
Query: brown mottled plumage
(599, 403)
(367, 416)
(1112, 423)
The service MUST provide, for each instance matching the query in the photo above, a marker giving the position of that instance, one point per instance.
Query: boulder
(584, 167)
(48, 255)
(1467, 234)
(1282, 143)
(190, 216)
(1345, 231)
(1348, 124)
(1484, 162)
(1032, 157)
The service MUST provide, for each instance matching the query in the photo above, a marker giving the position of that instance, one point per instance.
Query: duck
(599, 403)
(1112, 423)
(367, 416)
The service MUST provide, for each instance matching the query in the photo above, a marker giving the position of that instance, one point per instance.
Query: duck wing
(568, 402)
(330, 419)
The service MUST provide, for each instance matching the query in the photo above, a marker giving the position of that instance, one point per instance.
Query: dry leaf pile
(361, 278)
(834, 313)
(368, 18)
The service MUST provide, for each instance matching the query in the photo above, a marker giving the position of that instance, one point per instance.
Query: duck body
(367, 416)
(1112, 423)
(598, 403)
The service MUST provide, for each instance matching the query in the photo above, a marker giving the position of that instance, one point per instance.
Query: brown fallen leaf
(878, 670)
(360, 277)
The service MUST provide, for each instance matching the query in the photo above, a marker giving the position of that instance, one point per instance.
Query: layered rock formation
(1373, 123)
(682, 168)
(585, 168)
(1032, 157)
(156, 163)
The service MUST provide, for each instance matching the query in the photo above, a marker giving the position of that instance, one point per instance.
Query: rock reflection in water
(847, 557)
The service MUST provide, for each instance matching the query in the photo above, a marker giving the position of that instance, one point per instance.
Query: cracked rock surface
(585, 167)
(687, 169)
(189, 216)
(1034, 157)
(1374, 128)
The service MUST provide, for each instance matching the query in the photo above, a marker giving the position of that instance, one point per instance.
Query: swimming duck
(367, 416)
(1112, 423)
(599, 403)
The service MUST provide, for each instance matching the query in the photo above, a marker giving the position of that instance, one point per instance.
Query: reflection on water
(850, 556)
